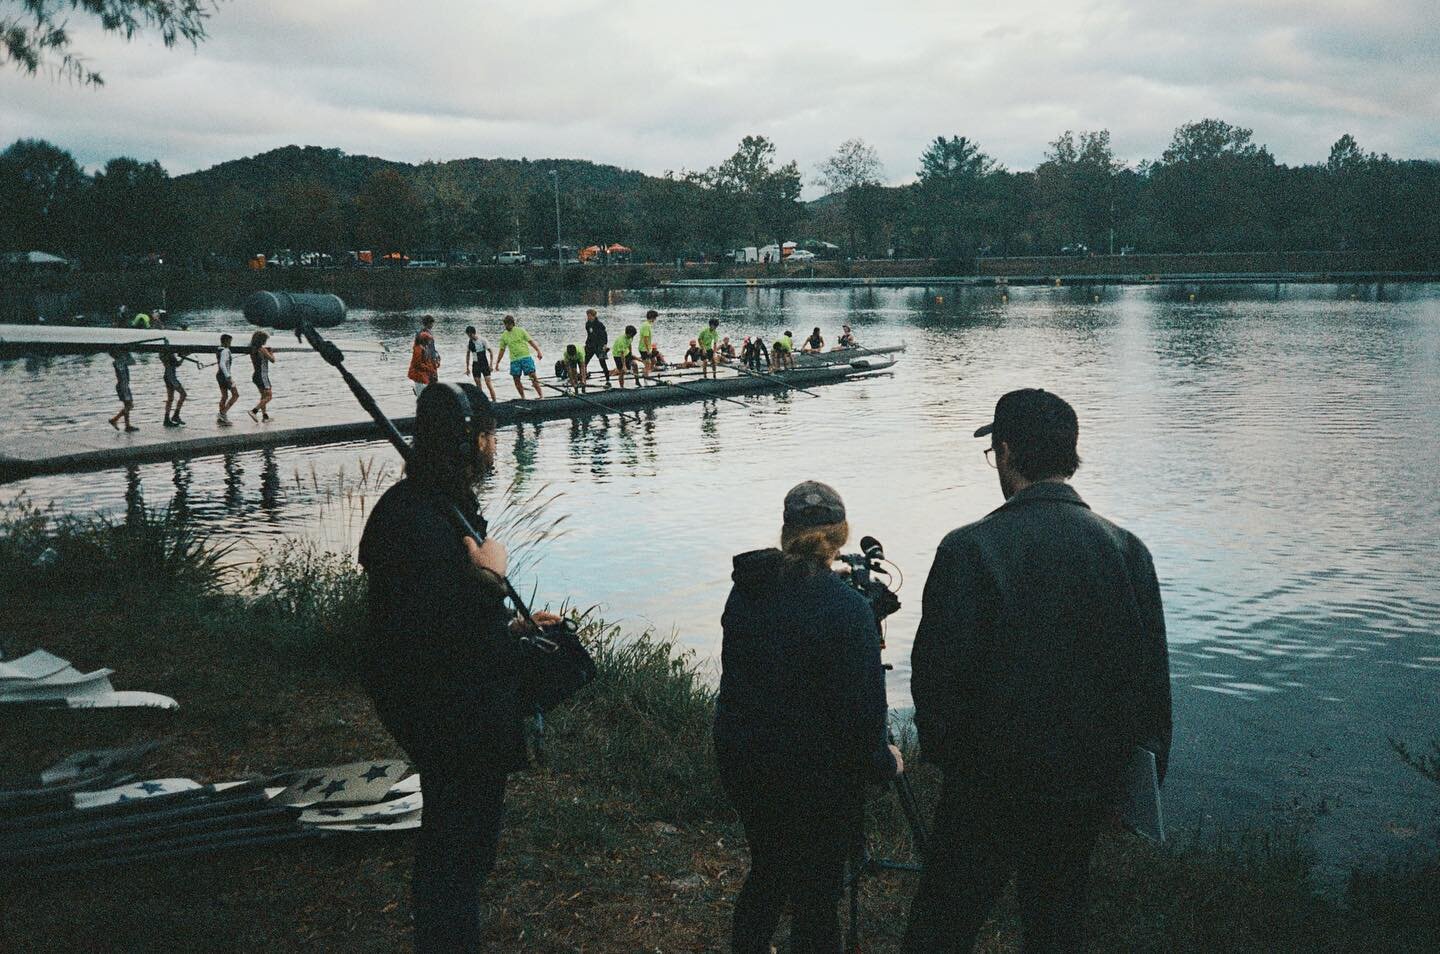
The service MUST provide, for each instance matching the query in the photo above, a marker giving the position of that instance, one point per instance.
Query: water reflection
(1278, 459)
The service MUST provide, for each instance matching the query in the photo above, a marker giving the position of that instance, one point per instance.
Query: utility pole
(559, 256)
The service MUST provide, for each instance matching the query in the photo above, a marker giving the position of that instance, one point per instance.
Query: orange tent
(618, 249)
(589, 252)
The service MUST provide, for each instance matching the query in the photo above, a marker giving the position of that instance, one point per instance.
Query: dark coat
(435, 655)
(802, 688)
(1040, 659)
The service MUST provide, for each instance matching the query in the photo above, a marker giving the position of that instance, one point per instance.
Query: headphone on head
(458, 417)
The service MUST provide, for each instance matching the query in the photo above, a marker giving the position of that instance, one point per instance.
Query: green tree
(135, 203)
(389, 214)
(1213, 190)
(41, 191)
(1075, 191)
(764, 199)
(852, 172)
(954, 197)
(38, 37)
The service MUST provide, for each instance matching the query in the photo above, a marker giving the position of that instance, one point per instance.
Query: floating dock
(100, 447)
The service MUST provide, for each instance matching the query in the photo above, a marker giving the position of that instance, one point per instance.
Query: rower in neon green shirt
(647, 340)
(786, 344)
(141, 320)
(518, 342)
(707, 338)
(620, 351)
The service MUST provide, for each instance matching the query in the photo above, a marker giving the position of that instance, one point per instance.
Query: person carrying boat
(432, 657)
(847, 339)
(518, 342)
(424, 357)
(122, 362)
(647, 339)
(597, 342)
(225, 378)
(800, 723)
(708, 338)
(174, 390)
(814, 343)
(261, 358)
(477, 360)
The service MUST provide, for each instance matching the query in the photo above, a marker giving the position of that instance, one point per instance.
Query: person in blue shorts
(518, 342)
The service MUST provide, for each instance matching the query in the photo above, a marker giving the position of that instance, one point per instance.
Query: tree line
(1213, 189)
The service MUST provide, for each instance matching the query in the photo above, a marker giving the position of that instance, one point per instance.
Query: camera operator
(800, 725)
(434, 659)
(1040, 662)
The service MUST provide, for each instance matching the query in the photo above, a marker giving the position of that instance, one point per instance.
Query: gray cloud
(658, 86)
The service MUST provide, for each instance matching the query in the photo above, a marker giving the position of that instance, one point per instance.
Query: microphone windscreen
(285, 310)
(868, 543)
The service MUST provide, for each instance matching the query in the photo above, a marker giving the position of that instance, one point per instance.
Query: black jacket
(435, 656)
(1041, 658)
(595, 335)
(802, 689)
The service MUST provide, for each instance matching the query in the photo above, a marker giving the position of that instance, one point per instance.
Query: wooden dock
(101, 447)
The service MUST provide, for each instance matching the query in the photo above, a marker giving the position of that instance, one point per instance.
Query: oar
(773, 380)
(592, 402)
(704, 394)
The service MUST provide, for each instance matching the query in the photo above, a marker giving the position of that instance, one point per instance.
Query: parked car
(1075, 248)
(515, 257)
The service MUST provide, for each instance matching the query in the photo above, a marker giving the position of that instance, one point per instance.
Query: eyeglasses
(990, 457)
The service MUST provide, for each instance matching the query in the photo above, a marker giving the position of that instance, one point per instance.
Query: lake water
(1279, 457)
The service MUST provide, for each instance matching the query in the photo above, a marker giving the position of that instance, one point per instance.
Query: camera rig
(865, 566)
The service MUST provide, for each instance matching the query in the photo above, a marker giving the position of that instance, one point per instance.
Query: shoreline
(621, 839)
(98, 293)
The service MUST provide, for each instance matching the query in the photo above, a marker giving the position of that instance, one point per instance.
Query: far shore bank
(59, 296)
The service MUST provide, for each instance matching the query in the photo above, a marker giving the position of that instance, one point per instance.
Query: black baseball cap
(1032, 413)
(813, 504)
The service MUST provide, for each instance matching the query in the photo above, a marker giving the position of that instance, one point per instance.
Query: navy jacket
(802, 688)
(434, 655)
(1040, 659)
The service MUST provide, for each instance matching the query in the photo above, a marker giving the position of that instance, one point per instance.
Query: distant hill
(263, 174)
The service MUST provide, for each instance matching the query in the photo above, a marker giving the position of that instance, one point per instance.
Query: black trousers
(459, 835)
(978, 840)
(799, 839)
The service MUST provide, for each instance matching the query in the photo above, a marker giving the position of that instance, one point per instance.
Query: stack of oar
(44, 680)
(89, 812)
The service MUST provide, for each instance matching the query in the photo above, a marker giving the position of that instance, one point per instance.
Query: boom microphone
(872, 548)
(284, 311)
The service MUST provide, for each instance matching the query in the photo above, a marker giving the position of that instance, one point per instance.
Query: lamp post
(555, 180)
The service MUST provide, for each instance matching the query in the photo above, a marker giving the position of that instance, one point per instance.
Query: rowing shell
(18, 341)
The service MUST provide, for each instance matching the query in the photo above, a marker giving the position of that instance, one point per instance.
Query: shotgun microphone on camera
(872, 548)
(285, 311)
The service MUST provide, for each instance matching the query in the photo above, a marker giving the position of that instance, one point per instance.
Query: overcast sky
(674, 85)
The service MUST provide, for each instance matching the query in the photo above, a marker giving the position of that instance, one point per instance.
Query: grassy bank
(620, 841)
